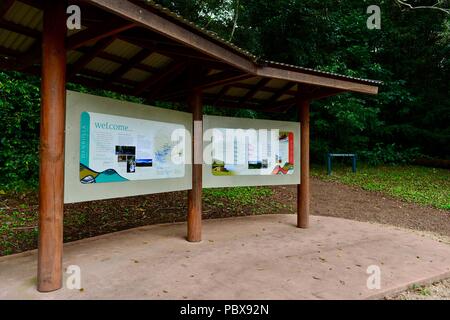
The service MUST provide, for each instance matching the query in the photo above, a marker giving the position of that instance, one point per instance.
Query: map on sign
(116, 149)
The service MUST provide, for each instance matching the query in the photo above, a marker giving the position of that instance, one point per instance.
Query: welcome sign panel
(250, 152)
(117, 149)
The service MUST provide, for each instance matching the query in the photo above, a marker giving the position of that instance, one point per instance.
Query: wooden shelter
(142, 49)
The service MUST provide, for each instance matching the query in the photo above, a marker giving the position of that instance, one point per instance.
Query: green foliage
(238, 195)
(410, 54)
(388, 154)
(19, 125)
(428, 186)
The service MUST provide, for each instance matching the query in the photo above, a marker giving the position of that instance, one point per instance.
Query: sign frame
(75, 191)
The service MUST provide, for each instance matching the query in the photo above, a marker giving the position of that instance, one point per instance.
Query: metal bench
(331, 155)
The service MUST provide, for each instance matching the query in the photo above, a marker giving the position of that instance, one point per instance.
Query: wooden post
(51, 171)
(194, 218)
(303, 196)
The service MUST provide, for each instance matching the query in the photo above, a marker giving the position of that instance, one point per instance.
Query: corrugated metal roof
(157, 60)
(136, 75)
(73, 56)
(237, 92)
(15, 41)
(213, 90)
(122, 49)
(276, 83)
(102, 65)
(263, 95)
(254, 80)
(25, 15)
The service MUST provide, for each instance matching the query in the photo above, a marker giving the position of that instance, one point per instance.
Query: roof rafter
(277, 95)
(221, 94)
(317, 94)
(11, 26)
(5, 6)
(168, 71)
(91, 34)
(221, 78)
(251, 93)
(173, 51)
(132, 62)
(89, 56)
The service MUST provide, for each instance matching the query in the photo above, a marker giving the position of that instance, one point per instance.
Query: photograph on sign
(117, 149)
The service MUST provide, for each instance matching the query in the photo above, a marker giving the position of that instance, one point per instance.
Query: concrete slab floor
(257, 257)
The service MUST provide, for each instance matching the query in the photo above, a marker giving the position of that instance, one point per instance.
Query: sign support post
(303, 195)
(194, 218)
(51, 171)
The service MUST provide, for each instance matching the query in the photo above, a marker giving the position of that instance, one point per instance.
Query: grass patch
(243, 196)
(17, 228)
(422, 185)
(237, 201)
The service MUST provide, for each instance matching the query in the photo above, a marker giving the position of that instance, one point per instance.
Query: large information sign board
(250, 152)
(117, 149)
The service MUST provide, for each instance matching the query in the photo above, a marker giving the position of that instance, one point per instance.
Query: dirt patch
(89, 219)
(338, 200)
(19, 214)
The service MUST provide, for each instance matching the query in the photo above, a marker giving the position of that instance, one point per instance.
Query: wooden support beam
(5, 6)
(103, 78)
(277, 95)
(141, 14)
(316, 79)
(303, 194)
(229, 102)
(89, 56)
(99, 83)
(251, 93)
(194, 217)
(120, 60)
(221, 94)
(317, 94)
(175, 51)
(9, 52)
(17, 28)
(124, 68)
(51, 171)
(32, 56)
(38, 4)
(221, 78)
(217, 79)
(167, 72)
(93, 34)
(214, 80)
